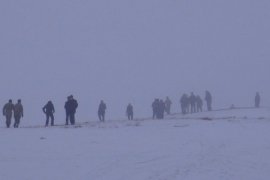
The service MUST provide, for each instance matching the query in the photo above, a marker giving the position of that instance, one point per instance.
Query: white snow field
(218, 145)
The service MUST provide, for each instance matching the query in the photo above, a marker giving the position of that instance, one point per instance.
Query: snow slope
(226, 144)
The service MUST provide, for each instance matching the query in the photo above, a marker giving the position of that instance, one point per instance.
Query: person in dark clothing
(168, 104)
(129, 112)
(7, 111)
(155, 106)
(70, 106)
(208, 99)
(49, 110)
(257, 100)
(199, 103)
(18, 113)
(101, 111)
(184, 103)
(192, 100)
(161, 110)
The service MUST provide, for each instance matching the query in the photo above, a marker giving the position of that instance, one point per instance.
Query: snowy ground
(220, 145)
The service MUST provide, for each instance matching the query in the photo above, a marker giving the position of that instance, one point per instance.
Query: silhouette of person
(49, 110)
(101, 111)
(7, 111)
(18, 113)
(129, 112)
(70, 106)
(257, 100)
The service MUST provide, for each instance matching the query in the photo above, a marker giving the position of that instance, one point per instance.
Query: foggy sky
(125, 51)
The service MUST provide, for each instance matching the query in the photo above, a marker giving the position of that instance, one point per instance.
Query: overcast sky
(125, 51)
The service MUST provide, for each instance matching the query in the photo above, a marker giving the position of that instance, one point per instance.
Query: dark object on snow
(129, 112)
(49, 110)
(70, 106)
(18, 113)
(161, 110)
(257, 100)
(7, 111)
(208, 99)
(101, 111)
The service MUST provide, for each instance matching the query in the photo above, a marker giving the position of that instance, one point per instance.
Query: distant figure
(18, 113)
(168, 104)
(192, 100)
(161, 110)
(101, 111)
(49, 110)
(155, 108)
(129, 112)
(208, 99)
(199, 103)
(184, 103)
(7, 111)
(257, 100)
(70, 106)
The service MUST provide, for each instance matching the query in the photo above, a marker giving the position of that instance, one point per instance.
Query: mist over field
(125, 51)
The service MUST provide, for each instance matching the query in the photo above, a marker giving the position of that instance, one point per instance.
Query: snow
(228, 144)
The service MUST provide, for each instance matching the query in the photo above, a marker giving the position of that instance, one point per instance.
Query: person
(168, 104)
(155, 108)
(161, 110)
(199, 103)
(71, 106)
(184, 103)
(208, 98)
(129, 111)
(257, 100)
(192, 100)
(7, 111)
(49, 110)
(18, 113)
(101, 111)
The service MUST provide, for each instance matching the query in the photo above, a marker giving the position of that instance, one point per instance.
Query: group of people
(9, 109)
(193, 103)
(189, 104)
(160, 107)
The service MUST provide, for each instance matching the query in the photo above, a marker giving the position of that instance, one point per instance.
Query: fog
(125, 51)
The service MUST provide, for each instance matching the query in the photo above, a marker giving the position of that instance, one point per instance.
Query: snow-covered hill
(225, 144)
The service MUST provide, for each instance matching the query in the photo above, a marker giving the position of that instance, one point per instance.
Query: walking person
(7, 111)
(18, 113)
(168, 104)
(192, 100)
(155, 107)
(257, 100)
(71, 106)
(199, 103)
(129, 111)
(208, 98)
(101, 111)
(49, 110)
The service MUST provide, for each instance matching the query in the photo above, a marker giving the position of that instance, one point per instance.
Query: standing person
(71, 105)
(257, 100)
(161, 110)
(101, 111)
(208, 99)
(192, 100)
(168, 104)
(49, 110)
(184, 103)
(7, 111)
(199, 103)
(155, 108)
(129, 111)
(18, 113)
